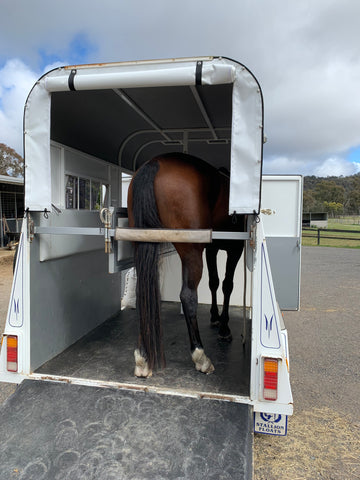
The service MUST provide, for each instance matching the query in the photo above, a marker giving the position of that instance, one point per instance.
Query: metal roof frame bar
(203, 110)
(157, 129)
(140, 111)
(184, 141)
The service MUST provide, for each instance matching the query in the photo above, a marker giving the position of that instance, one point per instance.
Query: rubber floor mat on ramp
(62, 431)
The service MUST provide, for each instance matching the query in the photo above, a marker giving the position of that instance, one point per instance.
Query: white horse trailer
(86, 128)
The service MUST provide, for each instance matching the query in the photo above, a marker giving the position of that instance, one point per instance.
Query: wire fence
(10, 229)
(347, 220)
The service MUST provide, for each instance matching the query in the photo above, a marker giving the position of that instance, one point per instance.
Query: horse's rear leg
(227, 287)
(191, 259)
(211, 254)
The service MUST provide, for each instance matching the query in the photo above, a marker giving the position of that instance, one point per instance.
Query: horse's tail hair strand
(146, 263)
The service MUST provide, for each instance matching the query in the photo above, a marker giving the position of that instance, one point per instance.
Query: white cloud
(285, 165)
(316, 111)
(304, 54)
(337, 167)
(332, 166)
(357, 167)
(16, 80)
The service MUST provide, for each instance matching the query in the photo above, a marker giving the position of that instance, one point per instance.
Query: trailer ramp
(64, 431)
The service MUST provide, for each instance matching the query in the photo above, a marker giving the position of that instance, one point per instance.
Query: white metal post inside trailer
(84, 127)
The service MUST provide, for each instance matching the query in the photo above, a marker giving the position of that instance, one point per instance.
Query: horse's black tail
(146, 215)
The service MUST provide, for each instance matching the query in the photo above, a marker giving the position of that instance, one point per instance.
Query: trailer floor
(106, 354)
(61, 431)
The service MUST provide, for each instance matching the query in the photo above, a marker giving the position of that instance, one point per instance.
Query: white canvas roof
(126, 113)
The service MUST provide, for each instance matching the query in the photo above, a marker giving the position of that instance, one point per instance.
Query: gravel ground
(323, 439)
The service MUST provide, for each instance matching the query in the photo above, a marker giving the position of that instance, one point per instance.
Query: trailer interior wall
(171, 281)
(69, 297)
(67, 270)
(66, 164)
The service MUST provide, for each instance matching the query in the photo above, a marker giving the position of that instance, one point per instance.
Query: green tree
(353, 203)
(309, 201)
(11, 163)
(344, 190)
(329, 191)
(333, 208)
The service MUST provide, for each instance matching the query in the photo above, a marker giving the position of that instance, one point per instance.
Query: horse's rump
(173, 191)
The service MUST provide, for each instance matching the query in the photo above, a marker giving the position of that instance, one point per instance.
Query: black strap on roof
(198, 72)
(71, 80)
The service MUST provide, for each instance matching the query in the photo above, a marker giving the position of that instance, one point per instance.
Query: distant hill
(335, 195)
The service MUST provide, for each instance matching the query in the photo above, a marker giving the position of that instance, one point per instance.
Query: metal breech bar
(175, 235)
(162, 235)
(166, 235)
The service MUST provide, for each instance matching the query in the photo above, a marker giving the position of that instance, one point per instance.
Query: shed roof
(11, 180)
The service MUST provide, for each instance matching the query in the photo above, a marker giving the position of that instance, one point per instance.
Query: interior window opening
(71, 192)
(84, 193)
(125, 182)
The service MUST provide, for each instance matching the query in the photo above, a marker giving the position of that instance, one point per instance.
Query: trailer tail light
(12, 353)
(270, 378)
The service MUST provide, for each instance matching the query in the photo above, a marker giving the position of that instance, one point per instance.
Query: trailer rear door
(58, 430)
(281, 208)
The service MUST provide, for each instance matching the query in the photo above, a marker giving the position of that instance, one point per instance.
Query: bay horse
(180, 191)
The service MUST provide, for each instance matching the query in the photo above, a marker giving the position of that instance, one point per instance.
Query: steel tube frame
(134, 234)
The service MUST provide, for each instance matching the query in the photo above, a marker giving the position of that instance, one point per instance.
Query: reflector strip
(12, 353)
(270, 378)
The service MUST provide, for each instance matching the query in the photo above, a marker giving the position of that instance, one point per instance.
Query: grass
(336, 239)
(341, 226)
(321, 444)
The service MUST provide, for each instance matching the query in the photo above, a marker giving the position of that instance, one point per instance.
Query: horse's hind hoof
(141, 366)
(225, 338)
(215, 321)
(202, 362)
(214, 324)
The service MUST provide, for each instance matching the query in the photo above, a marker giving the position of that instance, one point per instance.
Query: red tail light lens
(12, 353)
(270, 378)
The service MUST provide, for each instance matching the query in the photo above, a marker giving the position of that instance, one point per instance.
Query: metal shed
(11, 208)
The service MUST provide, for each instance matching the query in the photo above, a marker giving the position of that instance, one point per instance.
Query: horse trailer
(68, 344)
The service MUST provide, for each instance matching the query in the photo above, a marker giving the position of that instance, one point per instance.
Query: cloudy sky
(305, 55)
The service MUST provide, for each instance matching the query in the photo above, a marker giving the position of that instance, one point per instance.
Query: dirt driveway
(323, 439)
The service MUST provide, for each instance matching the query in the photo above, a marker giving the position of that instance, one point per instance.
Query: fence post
(318, 236)
(1, 233)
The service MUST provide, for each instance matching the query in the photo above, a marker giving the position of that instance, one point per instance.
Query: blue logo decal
(16, 308)
(269, 325)
(270, 417)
